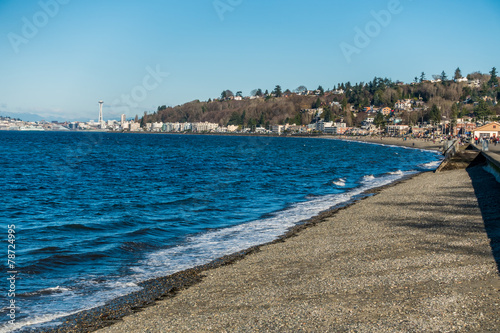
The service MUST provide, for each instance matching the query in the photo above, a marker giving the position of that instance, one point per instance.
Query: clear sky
(60, 57)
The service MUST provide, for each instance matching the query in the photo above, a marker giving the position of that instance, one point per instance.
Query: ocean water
(97, 213)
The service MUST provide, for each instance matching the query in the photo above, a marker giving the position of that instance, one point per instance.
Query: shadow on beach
(487, 191)
(439, 217)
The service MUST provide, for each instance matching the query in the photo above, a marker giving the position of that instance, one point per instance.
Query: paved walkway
(491, 148)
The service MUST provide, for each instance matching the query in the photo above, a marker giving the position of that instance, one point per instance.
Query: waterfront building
(488, 131)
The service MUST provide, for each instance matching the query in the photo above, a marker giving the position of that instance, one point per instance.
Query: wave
(34, 322)
(46, 291)
(368, 178)
(202, 248)
(205, 247)
(431, 165)
(339, 182)
(59, 261)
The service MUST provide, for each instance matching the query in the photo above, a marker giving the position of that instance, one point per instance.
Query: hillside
(475, 97)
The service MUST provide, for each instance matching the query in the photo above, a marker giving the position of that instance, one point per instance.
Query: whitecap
(339, 182)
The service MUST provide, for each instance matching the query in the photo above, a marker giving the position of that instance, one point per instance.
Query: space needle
(101, 121)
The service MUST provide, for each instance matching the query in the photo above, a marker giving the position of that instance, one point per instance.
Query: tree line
(446, 98)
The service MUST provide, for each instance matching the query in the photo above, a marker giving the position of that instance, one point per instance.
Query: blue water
(96, 213)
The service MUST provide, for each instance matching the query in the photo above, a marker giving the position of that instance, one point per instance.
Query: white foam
(399, 172)
(33, 322)
(339, 182)
(368, 178)
(106, 291)
(431, 165)
(55, 289)
(203, 248)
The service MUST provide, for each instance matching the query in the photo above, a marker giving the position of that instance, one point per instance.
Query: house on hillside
(385, 111)
(475, 83)
(488, 131)
(403, 105)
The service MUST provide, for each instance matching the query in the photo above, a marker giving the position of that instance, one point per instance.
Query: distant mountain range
(29, 116)
(35, 117)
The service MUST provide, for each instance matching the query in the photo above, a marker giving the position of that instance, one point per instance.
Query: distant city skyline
(60, 57)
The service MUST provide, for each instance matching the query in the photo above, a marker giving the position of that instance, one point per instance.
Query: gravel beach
(418, 256)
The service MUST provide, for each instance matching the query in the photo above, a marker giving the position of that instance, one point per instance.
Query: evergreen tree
(252, 124)
(422, 77)
(262, 119)
(328, 114)
(297, 120)
(493, 79)
(458, 74)
(344, 104)
(379, 119)
(277, 91)
(435, 114)
(443, 77)
(235, 119)
(317, 104)
(243, 116)
(482, 110)
(321, 91)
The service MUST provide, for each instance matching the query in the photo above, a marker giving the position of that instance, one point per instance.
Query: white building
(135, 127)
(204, 127)
(157, 127)
(475, 83)
(277, 129)
(397, 129)
(404, 105)
(488, 131)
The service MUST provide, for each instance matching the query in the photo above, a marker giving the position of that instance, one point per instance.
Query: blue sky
(60, 57)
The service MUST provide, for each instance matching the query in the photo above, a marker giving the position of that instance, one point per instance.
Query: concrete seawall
(493, 164)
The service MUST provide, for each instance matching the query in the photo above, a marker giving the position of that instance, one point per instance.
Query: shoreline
(392, 141)
(158, 289)
(389, 263)
(166, 287)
